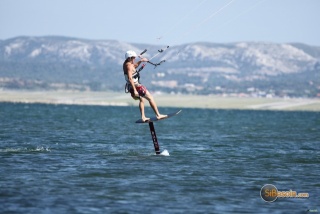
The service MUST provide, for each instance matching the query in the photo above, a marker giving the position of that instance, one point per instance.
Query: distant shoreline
(163, 100)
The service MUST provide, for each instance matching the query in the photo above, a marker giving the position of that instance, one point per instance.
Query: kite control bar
(142, 66)
(154, 64)
(145, 50)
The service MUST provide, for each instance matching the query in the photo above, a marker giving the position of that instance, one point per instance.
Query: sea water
(95, 159)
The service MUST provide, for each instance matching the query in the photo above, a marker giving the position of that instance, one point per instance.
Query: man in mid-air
(137, 90)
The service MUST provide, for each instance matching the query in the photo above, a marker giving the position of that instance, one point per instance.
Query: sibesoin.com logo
(270, 193)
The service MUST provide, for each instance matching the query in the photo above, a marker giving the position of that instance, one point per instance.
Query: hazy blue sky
(177, 21)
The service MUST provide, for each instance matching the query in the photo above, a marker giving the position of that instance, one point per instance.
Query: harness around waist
(135, 78)
(136, 81)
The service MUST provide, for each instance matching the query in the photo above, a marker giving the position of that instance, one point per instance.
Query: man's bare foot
(145, 119)
(161, 116)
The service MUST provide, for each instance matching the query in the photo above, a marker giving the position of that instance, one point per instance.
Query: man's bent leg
(153, 105)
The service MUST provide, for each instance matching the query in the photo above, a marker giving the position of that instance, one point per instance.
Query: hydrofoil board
(154, 119)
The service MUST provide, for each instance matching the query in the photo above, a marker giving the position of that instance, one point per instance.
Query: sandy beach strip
(163, 100)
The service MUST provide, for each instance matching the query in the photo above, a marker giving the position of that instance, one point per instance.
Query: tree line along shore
(163, 100)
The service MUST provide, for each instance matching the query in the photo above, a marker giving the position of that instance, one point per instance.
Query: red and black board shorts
(142, 90)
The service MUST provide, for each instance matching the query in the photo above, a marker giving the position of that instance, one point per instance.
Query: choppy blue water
(91, 159)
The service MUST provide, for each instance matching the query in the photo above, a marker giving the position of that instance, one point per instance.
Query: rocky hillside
(204, 68)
